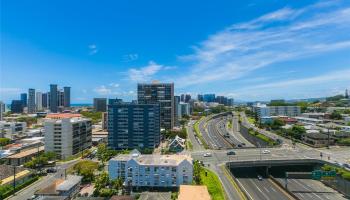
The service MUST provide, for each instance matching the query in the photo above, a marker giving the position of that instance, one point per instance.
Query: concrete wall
(252, 139)
(339, 184)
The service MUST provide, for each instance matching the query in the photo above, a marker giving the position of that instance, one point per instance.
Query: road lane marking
(230, 178)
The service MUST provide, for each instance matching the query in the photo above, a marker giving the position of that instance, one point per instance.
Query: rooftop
(62, 115)
(26, 153)
(193, 192)
(166, 160)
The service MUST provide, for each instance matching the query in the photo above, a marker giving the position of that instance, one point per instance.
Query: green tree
(94, 116)
(28, 120)
(197, 172)
(117, 184)
(298, 131)
(277, 123)
(336, 115)
(4, 141)
(86, 169)
(303, 105)
(101, 181)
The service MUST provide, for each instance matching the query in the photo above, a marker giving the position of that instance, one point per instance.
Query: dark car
(230, 153)
(51, 170)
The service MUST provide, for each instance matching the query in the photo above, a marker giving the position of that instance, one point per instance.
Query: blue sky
(249, 50)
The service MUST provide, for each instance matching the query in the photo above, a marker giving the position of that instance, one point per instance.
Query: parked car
(231, 153)
(51, 170)
(260, 178)
(266, 151)
(207, 155)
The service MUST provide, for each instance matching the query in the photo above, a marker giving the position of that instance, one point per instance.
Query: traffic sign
(318, 174)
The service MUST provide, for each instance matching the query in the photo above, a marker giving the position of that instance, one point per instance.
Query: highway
(218, 135)
(256, 189)
(191, 135)
(236, 131)
(307, 189)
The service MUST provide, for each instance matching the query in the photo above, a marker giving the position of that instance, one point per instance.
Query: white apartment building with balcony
(67, 134)
(138, 170)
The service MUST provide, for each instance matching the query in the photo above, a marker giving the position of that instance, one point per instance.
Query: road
(236, 131)
(194, 140)
(306, 189)
(256, 189)
(218, 138)
(43, 182)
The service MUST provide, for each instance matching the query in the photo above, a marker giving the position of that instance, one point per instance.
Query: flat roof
(26, 153)
(193, 192)
(18, 176)
(161, 160)
(67, 184)
(62, 115)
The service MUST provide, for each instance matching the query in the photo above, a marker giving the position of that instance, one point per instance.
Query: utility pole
(328, 139)
(14, 180)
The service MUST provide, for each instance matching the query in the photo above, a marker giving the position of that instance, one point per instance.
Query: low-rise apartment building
(139, 170)
(290, 111)
(67, 134)
(12, 130)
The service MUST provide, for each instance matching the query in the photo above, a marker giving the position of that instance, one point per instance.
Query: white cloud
(9, 90)
(115, 85)
(103, 90)
(145, 73)
(92, 49)
(284, 35)
(130, 57)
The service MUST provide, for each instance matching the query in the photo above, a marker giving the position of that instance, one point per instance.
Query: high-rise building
(2, 110)
(53, 101)
(39, 101)
(176, 105)
(209, 97)
(31, 100)
(159, 93)
(230, 102)
(17, 106)
(187, 98)
(200, 97)
(133, 125)
(45, 100)
(24, 99)
(67, 134)
(60, 98)
(182, 98)
(100, 104)
(221, 100)
(346, 94)
(183, 109)
(66, 97)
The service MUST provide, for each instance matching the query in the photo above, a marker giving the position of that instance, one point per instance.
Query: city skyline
(289, 50)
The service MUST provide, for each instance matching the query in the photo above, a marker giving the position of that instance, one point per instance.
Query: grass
(270, 141)
(213, 184)
(189, 145)
(198, 133)
(251, 120)
(229, 124)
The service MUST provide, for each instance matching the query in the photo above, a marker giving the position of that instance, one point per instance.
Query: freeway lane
(219, 140)
(192, 137)
(257, 189)
(307, 189)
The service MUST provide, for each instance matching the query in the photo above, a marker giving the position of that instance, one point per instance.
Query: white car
(266, 151)
(207, 155)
